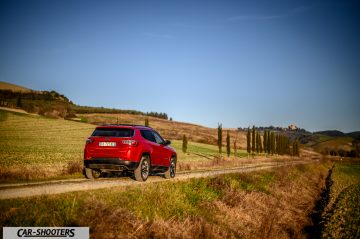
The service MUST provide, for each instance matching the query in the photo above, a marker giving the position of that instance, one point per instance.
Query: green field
(198, 151)
(39, 141)
(342, 217)
(30, 141)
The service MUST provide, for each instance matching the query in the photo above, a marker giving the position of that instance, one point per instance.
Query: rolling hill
(168, 129)
(55, 105)
(13, 87)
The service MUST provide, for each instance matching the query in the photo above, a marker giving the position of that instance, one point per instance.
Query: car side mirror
(167, 142)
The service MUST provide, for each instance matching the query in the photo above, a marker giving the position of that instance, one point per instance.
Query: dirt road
(8, 191)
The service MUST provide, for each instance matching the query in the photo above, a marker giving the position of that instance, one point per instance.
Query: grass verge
(263, 204)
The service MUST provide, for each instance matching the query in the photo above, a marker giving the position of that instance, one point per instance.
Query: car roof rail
(134, 125)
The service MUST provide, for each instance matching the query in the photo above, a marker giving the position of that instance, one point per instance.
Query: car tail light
(130, 142)
(89, 141)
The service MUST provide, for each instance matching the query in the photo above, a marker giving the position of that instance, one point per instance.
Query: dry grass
(168, 129)
(226, 162)
(74, 167)
(13, 87)
(29, 172)
(338, 143)
(265, 204)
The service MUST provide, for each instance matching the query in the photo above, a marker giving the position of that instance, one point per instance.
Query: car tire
(143, 170)
(92, 174)
(171, 172)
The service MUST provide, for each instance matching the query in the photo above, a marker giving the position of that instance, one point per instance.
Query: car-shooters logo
(46, 232)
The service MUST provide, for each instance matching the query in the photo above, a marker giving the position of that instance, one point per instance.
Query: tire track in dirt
(20, 190)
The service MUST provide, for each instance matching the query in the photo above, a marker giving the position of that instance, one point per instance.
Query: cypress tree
(18, 102)
(235, 148)
(257, 142)
(268, 142)
(265, 141)
(296, 151)
(287, 145)
(220, 138)
(146, 121)
(228, 144)
(248, 139)
(253, 140)
(184, 144)
(260, 144)
(277, 144)
(272, 143)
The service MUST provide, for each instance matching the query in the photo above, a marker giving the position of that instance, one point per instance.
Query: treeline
(101, 110)
(274, 128)
(54, 104)
(158, 115)
(270, 143)
(13, 98)
(47, 103)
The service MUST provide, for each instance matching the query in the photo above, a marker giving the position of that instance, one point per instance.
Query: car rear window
(113, 132)
(147, 134)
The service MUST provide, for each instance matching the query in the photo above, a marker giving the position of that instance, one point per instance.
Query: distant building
(292, 127)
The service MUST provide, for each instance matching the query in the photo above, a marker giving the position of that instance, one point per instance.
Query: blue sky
(236, 62)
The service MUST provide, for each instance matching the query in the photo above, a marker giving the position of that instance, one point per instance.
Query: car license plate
(107, 144)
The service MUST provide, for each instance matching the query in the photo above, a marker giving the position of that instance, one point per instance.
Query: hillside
(168, 129)
(55, 146)
(53, 104)
(13, 87)
(331, 133)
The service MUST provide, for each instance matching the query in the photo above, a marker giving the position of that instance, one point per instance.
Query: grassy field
(9, 86)
(342, 217)
(168, 129)
(33, 147)
(263, 204)
(55, 147)
(199, 151)
(337, 143)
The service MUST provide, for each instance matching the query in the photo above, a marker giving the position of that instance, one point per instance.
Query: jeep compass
(128, 148)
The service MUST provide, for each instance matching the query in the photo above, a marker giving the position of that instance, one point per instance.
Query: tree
(184, 144)
(277, 144)
(268, 142)
(272, 142)
(18, 102)
(260, 144)
(257, 146)
(220, 138)
(253, 140)
(235, 148)
(295, 147)
(265, 141)
(146, 121)
(248, 139)
(228, 143)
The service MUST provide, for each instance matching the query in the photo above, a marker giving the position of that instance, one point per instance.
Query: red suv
(128, 148)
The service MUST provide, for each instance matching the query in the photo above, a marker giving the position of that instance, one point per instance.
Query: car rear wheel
(143, 170)
(171, 172)
(92, 174)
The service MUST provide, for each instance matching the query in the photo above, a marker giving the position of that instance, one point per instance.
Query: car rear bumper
(110, 164)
